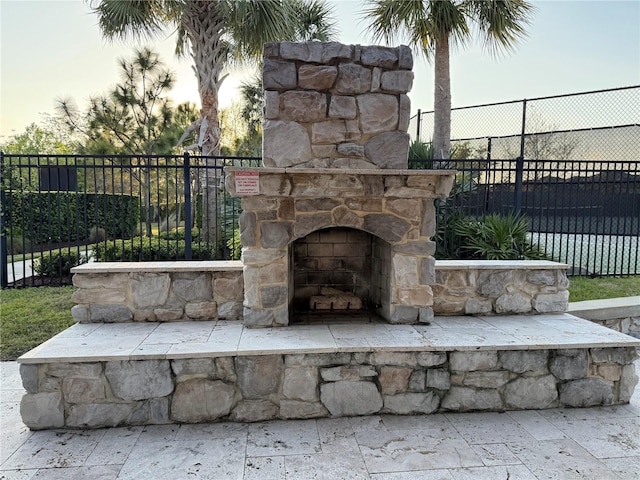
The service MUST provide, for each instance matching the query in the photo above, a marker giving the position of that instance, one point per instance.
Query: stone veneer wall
(256, 388)
(157, 291)
(335, 105)
(393, 205)
(507, 287)
(209, 290)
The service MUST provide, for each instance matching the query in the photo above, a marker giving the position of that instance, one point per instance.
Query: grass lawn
(29, 316)
(585, 288)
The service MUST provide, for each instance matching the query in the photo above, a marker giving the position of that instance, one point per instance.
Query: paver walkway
(595, 443)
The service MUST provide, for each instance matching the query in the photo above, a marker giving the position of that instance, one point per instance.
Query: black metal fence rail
(138, 208)
(68, 208)
(584, 213)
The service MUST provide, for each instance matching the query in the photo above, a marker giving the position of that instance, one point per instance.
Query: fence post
(187, 206)
(517, 201)
(418, 119)
(4, 278)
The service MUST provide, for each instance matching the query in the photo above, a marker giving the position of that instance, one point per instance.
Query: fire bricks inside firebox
(339, 274)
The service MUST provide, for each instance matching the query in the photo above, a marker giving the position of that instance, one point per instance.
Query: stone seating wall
(212, 290)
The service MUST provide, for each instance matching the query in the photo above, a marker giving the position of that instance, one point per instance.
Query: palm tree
(432, 26)
(218, 35)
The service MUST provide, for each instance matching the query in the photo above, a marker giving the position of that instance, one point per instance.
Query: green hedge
(68, 216)
(143, 249)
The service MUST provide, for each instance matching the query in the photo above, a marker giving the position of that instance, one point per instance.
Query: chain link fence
(570, 163)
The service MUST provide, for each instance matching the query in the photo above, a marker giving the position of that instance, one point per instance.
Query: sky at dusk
(53, 49)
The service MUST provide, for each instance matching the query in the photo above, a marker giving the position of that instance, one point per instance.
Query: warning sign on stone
(247, 183)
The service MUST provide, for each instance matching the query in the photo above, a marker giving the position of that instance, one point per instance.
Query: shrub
(497, 237)
(58, 264)
(97, 234)
(235, 245)
(144, 249)
(17, 244)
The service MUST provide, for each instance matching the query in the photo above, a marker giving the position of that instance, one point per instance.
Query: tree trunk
(204, 25)
(442, 104)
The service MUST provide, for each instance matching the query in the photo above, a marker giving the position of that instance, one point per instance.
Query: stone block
(513, 303)
(376, 76)
(404, 314)
(274, 296)
(402, 359)
(201, 310)
(486, 379)
(586, 392)
(397, 81)
(138, 380)
(426, 315)
(201, 400)
(379, 113)
(275, 234)
(303, 106)
(542, 277)
(417, 381)
(110, 313)
(169, 314)
(278, 75)
(342, 106)
(305, 52)
(346, 398)
(404, 114)
(330, 131)
(301, 383)
(83, 390)
(29, 376)
(80, 313)
(254, 411)
(102, 415)
(621, 355)
(532, 393)
(203, 367)
(259, 376)
(569, 367)
(247, 222)
(411, 403)
(405, 57)
(348, 373)
(336, 51)
(462, 399)
(394, 379)
(493, 284)
(471, 361)
(351, 149)
(317, 77)
(375, 56)
(524, 361)
(149, 289)
(99, 295)
(192, 287)
(285, 144)
(296, 409)
(628, 382)
(353, 79)
(317, 360)
(438, 378)
(227, 289)
(42, 410)
(91, 370)
(257, 317)
(551, 302)
(271, 105)
(388, 227)
(476, 306)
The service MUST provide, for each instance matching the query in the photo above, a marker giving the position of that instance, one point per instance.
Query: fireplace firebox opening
(339, 274)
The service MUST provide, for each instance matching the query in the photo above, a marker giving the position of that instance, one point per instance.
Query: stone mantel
(329, 182)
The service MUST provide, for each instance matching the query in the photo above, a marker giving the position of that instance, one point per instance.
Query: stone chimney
(329, 105)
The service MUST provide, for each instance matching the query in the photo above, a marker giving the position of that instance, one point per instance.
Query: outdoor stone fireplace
(334, 221)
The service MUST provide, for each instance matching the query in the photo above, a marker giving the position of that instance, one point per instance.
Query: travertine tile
(115, 446)
(292, 437)
(477, 428)
(346, 465)
(261, 468)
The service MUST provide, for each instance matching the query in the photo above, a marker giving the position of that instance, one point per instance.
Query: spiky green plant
(497, 237)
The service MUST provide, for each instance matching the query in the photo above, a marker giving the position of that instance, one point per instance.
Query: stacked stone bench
(165, 362)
